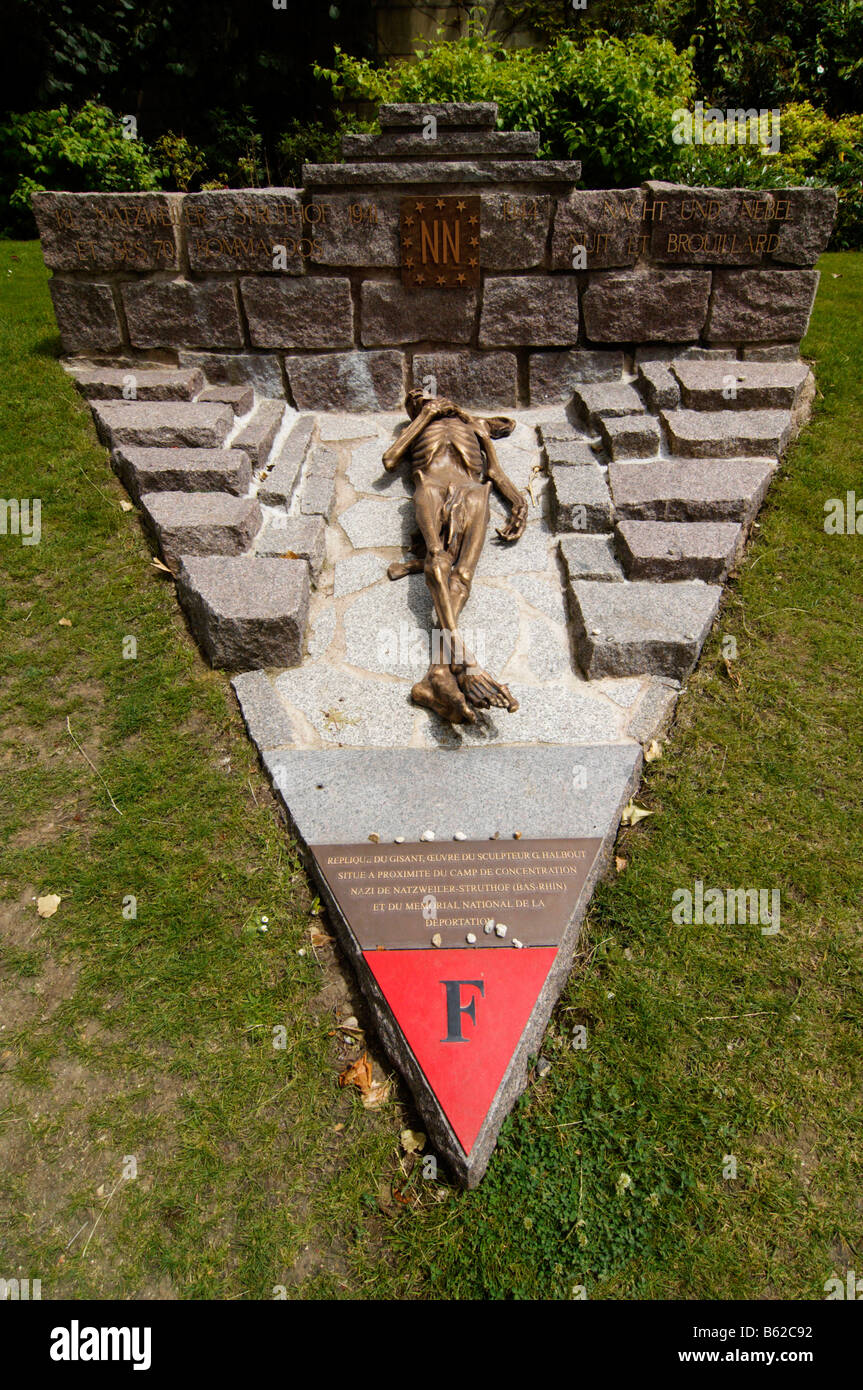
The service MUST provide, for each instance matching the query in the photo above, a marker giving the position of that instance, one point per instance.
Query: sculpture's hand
(514, 528)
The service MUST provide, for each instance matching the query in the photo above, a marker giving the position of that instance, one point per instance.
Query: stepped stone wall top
(442, 235)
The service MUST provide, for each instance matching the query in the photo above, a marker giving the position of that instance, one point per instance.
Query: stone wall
(308, 293)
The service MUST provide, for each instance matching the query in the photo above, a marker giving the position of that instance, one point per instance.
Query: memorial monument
(249, 355)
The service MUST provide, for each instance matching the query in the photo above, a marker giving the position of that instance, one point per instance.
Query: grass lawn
(138, 1037)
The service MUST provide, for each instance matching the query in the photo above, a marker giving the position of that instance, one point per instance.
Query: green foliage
(76, 150)
(313, 142)
(608, 103)
(181, 160)
(814, 150)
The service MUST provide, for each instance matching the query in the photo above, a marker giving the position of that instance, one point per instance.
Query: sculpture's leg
(438, 690)
(437, 566)
(480, 689)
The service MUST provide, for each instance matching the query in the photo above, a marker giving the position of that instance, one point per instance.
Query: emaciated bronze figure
(454, 466)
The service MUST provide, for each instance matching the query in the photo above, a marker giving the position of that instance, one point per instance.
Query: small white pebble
(500, 929)
(427, 835)
(517, 944)
(594, 632)
(459, 835)
(488, 925)
(399, 840)
(436, 939)
(470, 939)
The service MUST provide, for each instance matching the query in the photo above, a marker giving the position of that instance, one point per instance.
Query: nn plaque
(440, 241)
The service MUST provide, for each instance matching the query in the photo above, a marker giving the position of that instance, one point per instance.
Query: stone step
(727, 433)
(605, 400)
(162, 424)
(740, 385)
(451, 115)
(630, 436)
(278, 484)
(679, 549)
(644, 628)
(589, 557)
(419, 173)
(182, 470)
(559, 431)
(658, 385)
(448, 144)
(256, 438)
(569, 452)
(201, 523)
(691, 489)
(580, 500)
(239, 398)
(246, 611)
(295, 538)
(148, 383)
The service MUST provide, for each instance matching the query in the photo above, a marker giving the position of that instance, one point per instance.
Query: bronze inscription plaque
(400, 897)
(440, 237)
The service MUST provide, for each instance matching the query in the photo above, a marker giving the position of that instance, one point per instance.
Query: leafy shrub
(606, 102)
(814, 150)
(312, 142)
(76, 150)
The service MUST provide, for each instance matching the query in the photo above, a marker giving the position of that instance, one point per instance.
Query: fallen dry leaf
(620, 864)
(375, 839)
(47, 906)
(159, 566)
(632, 814)
(126, 507)
(373, 1094)
(412, 1141)
(358, 1074)
(377, 1095)
(318, 937)
(731, 673)
(653, 751)
(64, 622)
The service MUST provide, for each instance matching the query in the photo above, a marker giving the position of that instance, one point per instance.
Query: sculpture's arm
(508, 491)
(401, 446)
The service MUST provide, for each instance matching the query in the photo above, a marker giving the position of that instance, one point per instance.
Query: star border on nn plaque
(439, 236)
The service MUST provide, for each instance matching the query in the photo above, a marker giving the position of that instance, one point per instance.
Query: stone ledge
(266, 719)
(670, 550)
(429, 173)
(246, 611)
(182, 470)
(643, 628)
(278, 485)
(727, 433)
(452, 115)
(256, 438)
(162, 424)
(201, 523)
(149, 384)
(707, 489)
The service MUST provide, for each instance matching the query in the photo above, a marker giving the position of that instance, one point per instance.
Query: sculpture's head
(414, 401)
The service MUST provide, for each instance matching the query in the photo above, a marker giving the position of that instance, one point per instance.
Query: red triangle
(434, 1004)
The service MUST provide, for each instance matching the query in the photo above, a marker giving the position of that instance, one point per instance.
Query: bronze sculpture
(454, 466)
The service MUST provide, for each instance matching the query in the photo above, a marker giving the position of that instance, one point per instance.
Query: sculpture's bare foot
(439, 690)
(399, 569)
(483, 691)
